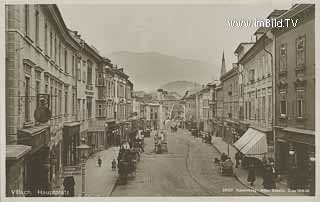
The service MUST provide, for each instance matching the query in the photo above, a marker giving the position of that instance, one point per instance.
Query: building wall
(26, 58)
(258, 89)
(292, 74)
(231, 96)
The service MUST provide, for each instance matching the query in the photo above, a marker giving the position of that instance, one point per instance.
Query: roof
(241, 44)
(229, 73)
(276, 13)
(15, 152)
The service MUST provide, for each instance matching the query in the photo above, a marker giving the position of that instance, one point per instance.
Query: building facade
(295, 95)
(49, 66)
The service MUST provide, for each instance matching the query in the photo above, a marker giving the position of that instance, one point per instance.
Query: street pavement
(186, 170)
(99, 180)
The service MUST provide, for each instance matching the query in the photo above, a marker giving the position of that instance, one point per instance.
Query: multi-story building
(40, 63)
(190, 107)
(48, 63)
(255, 61)
(295, 94)
(230, 83)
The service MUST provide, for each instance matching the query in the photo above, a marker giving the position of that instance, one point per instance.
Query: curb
(113, 187)
(244, 184)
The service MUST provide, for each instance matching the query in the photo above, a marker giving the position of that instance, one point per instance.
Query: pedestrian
(223, 157)
(268, 182)
(99, 161)
(251, 174)
(68, 184)
(238, 157)
(114, 165)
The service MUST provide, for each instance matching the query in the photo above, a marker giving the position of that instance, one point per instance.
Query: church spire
(223, 65)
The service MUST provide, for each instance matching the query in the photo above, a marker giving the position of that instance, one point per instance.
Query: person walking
(251, 174)
(114, 165)
(267, 177)
(238, 157)
(68, 184)
(99, 161)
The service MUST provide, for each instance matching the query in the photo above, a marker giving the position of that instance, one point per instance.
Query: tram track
(187, 158)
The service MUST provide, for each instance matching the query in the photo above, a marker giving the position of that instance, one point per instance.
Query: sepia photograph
(159, 100)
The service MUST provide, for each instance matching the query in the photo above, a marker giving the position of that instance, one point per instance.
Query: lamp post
(83, 148)
(312, 173)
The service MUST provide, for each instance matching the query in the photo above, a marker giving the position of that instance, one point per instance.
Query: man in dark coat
(238, 158)
(68, 184)
(251, 174)
(268, 178)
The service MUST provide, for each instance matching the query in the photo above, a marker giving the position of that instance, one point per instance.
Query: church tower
(223, 65)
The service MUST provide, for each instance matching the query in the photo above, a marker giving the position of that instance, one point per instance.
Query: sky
(198, 32)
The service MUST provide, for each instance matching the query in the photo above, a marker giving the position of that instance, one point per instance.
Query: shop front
(295, 156)
(110, 129)
(71, 139)
(16, 156)
(253, 147)
(37, 166)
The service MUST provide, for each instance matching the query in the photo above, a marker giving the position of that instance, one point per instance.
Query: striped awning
(253, 144)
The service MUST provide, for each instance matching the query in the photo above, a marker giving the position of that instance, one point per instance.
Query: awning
(15, 152)
(252, 144)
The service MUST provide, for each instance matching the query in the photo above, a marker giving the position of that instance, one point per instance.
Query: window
(55, 48)
(37, 91)
(283, 58)
(84, 71)
(89, 107)
(60, 102)
(300, 103)
(300, 51)
(51, 98)
(27, 99)
(59, 54)
(269, 108)
(46, 37)
(37, 28)
(66, 102)
(99, 110)
(27, 20)
(89, 73)
(251, 75)
(283, 104)
(263, 112)
(55, 101)
(51, 41)
(73, 103)
(66, 61)
(79, 69)
(73, 64)
(83, 109)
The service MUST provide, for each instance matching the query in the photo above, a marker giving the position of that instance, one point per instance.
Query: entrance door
(38, 169)
(283, 157)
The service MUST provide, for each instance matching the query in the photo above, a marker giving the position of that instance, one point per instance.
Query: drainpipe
(272, 37)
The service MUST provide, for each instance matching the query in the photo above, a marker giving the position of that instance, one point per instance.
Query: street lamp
(83, 148)
(312, 173)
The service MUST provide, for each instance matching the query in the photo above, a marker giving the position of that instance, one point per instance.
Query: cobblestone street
(186, 170)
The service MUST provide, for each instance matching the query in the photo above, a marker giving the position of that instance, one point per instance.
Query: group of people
(269, 174)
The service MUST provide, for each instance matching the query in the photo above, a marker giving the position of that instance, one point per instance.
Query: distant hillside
(181, 87)
(149, 70)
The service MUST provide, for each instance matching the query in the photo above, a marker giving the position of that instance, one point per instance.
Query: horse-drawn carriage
(174, 128)
(127, 163)
(226, 167)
